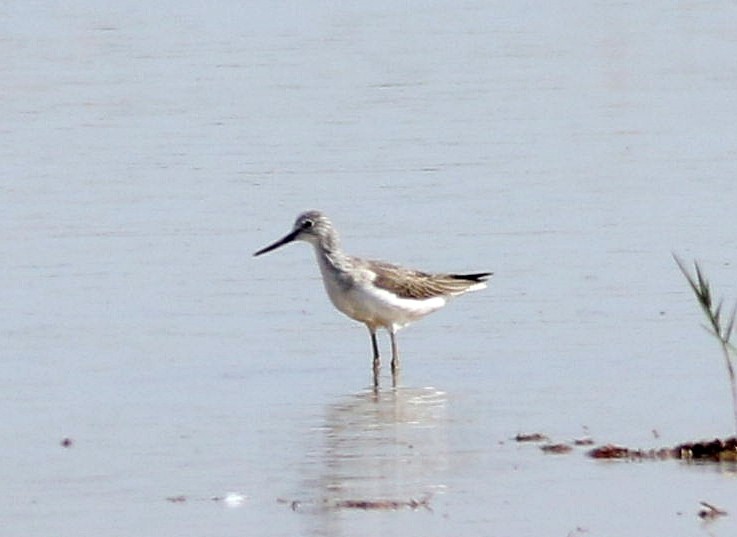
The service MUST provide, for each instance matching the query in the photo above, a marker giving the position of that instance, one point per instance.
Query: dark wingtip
(477, 277)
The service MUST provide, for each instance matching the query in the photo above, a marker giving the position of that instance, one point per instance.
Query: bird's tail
(470, 282)
(477, 277)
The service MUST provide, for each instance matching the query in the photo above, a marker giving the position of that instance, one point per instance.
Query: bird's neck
(329, 243)
(332, 259)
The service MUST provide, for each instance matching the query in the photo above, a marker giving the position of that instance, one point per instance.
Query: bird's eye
(307, 224)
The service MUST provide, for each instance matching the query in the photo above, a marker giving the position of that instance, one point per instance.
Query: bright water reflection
(376, 445)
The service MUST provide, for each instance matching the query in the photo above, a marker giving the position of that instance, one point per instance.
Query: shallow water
(148, 150)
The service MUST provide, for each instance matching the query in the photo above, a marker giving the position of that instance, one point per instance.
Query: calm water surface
(148, 150)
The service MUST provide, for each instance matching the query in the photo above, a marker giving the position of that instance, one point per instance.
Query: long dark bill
(281, 242)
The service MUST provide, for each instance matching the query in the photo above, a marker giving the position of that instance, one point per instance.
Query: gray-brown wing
(407, 283)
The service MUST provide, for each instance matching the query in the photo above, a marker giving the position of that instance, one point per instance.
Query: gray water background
(148, 149)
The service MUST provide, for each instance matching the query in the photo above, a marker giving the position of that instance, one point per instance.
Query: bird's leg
(395, 378)
(395, 351)
(377, 360)
(375, 347)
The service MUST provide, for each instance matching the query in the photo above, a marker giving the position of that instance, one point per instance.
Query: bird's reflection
(374, 446)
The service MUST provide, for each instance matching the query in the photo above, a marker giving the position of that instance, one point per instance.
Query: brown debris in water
(710, 512)
(611, 451)
(716, 450)
(531, 437)
(556, 449)
(387, 505)
(365, 505)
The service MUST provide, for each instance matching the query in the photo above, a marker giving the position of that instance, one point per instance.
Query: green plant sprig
(717, 326)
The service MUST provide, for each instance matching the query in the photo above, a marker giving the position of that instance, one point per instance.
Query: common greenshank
(378, 294)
